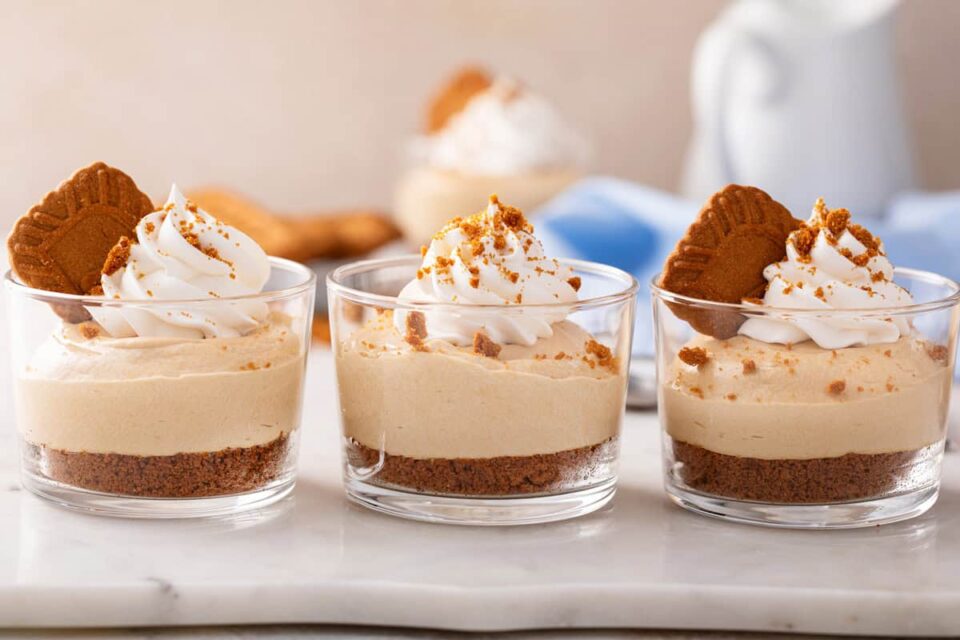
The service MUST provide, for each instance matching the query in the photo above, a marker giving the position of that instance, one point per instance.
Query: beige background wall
(305, 104)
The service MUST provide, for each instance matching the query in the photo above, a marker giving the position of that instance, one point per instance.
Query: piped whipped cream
(831, 264)
(491, 258)
(505, 129)
(183, 253)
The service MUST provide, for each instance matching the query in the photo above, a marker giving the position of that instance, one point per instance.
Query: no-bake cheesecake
(812, 382)
(480, 381)
(176, 375)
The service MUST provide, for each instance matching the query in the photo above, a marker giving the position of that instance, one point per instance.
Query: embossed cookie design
(61, 243)
(722, 256)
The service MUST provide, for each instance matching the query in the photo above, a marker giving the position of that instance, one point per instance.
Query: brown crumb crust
(853, 476)
(183, 475)
(500, 476)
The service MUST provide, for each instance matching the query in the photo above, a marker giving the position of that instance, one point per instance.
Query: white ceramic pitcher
(800, 98)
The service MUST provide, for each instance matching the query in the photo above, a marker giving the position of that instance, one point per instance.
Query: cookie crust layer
(500, 476)
(852, 476)
(183, 475)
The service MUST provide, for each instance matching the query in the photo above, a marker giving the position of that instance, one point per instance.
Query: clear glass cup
(439, 432)
(800, 436)
(160, 427)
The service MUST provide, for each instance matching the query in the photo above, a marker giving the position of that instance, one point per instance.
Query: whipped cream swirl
(831, 265)
(183, 253)
(491, 258)
(505, 129)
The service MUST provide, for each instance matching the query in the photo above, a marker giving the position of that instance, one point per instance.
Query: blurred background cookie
(302, 237)
(323, 240)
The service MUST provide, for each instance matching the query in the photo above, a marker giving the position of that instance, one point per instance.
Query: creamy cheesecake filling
(157, 396)
(770, 401)
(449, 402)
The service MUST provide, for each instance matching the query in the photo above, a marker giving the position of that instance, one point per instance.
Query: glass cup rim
(335, 285)
(308, 282)
(756, 310)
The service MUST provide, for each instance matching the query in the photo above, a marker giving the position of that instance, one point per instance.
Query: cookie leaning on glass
(176, 374)
(62, 242)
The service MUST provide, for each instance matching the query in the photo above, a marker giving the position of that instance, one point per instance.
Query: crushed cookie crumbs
(416, 330)
(938, 353)
(484, 346)
(834, 222)
(118, 256)
(694, 356)
(89, 330)
(603, 354)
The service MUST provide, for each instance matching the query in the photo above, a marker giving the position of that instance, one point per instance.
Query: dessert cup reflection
(818, 398)
(485, 389)
(173, 385)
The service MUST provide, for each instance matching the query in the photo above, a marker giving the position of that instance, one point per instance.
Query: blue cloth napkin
(634, 228)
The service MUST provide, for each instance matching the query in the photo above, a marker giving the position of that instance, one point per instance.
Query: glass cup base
(838, 515)
(119, 506)
(480, 511)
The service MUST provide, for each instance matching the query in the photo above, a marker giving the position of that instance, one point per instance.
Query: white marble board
(640, 562)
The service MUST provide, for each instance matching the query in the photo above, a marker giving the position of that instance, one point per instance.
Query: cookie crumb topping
(89, 330)
(833, 223)
(694, 356)
(836, 387)
(416, 330)
(118, 256)
(484, 346)
(604, 356)
(938, 353)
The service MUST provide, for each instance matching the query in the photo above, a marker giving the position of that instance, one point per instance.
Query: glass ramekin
(160, 427)
(442, 433)
(800, 436)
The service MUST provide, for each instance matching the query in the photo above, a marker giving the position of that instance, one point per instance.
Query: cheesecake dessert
(811, 407)
(468, 387)
(485, 134)
(170, 378)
